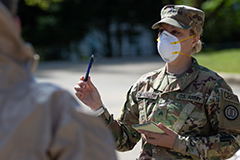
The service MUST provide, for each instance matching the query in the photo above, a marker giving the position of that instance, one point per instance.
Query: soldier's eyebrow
(171, 27)
(161, 27)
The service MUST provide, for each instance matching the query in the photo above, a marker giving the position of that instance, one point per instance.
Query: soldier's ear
(195, 40)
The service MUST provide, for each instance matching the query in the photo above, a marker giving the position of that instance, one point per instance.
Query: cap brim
(172, 22)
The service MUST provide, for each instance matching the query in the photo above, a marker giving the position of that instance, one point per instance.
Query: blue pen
(89, 67)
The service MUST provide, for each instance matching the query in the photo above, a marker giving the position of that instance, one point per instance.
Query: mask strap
(182, 40)
(181, 53)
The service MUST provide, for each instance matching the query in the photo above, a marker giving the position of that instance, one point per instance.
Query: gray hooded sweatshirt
(40, 121)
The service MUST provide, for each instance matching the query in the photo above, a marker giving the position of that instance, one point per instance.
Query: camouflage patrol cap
(181, 16)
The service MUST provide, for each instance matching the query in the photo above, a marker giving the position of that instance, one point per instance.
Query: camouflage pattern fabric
(182, 16)
(192, 105)
(236, 156)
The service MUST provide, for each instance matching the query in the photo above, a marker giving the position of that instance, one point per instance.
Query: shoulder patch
(227, 96)
(229, 105)
(231, 112)
(149, 95)
(190, 97)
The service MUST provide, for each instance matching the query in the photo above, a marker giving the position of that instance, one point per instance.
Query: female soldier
(193, 105)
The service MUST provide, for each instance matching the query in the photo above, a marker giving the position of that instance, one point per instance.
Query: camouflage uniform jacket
(236, 156)
(192, 106)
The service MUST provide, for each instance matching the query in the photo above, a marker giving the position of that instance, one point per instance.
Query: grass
(227, 61)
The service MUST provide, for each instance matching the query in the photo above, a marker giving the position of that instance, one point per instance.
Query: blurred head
(185, 18)
(12, 5)
(11, 42)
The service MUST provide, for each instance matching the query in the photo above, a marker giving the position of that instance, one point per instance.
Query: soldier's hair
(12, 5)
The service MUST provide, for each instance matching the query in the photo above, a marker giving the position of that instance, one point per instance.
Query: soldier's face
(186, 45)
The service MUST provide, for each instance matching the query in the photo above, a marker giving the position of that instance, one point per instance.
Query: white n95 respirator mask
(169, 46)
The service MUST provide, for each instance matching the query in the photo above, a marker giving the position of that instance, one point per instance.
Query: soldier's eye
(160, 30)
(174, 32)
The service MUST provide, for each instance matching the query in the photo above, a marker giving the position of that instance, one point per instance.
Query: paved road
(113, 77)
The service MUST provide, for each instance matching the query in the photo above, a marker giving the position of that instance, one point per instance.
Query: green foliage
(220, 61)
(64, 23)
(43, 4)
(210, 6)
(223, 25)
(59, 23)
(185, 2)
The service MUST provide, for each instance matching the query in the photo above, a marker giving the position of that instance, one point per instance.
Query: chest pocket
(160, 113)
(154, 108)
(169, 113)
(146, 101)
(187, 110)
(191, 116)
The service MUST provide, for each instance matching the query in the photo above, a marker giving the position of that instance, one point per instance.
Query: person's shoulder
(146, 78)
(46, 88)
(44, 85)
(150, 75)
(209, 76)
(46, 93)
(206, 72)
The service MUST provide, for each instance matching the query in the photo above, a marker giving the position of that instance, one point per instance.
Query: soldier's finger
(152, 141)
(82, 83)
(148, 134)
(144, 137)
(80, 95)
(79, 88)
(165, 129)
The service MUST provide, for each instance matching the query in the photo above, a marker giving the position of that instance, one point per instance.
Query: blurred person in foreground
(193, 105)
(41, 121)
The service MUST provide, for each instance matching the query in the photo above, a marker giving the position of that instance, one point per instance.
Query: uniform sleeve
(76, 134)
(236, 156)
(125, 136)
(222, 108)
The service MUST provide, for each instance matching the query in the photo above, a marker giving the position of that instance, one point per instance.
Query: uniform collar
(182, 82)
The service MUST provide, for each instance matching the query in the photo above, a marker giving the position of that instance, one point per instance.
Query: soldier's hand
(166, 139)
(88, 93)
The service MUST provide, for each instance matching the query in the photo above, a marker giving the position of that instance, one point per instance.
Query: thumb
(89, 82)
(164, 128)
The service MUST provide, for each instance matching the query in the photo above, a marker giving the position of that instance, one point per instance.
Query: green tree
(131, 12)
(56, 24)
(43, 4)
(56, 28)
(222, 22)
